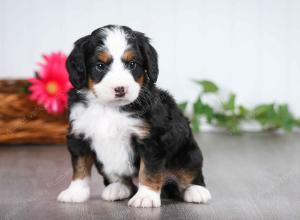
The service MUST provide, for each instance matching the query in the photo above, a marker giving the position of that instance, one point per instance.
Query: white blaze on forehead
(116, 42)
(117, 75)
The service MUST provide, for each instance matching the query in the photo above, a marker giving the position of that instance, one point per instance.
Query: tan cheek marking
(153, 181)
(83, 167)
(128, 55)
(104, 57)
(141, 80)
(91, 86)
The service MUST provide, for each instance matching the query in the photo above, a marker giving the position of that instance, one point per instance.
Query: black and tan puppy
(130, 129)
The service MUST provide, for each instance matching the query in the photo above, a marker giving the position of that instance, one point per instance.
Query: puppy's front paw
(116, 191)
(78, 191)
(196, 194)
(145, 198)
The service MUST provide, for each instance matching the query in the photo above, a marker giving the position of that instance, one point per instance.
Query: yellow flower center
(51, 87)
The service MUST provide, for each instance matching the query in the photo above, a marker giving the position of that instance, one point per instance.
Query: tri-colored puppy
(130, 129)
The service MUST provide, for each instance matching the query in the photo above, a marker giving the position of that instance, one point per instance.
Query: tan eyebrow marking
(104, 57)
(128, 55)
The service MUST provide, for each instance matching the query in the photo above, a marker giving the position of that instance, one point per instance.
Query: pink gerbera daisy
(51, 85)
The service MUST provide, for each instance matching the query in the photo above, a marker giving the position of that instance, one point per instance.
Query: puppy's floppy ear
(150, 54)
(76, 63)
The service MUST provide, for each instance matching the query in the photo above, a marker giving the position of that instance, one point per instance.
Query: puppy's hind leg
(193, 187)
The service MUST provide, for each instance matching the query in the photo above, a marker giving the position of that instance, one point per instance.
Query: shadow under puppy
(130, 129)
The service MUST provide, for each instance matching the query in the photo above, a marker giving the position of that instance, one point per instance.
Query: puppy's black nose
(120, 91)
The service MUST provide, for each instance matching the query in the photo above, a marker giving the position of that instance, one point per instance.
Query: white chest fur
(110, 133)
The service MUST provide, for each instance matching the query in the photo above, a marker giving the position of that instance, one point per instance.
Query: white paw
(145, 198)
(78, 191)
(196, 194)
(116, 191)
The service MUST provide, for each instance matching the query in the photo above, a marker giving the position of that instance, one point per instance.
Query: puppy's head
(114, 62)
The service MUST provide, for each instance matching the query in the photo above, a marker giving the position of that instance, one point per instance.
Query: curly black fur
(170, 145)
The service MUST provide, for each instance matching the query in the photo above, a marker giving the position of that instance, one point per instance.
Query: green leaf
(270, 116)
(297, 122)
(198, 107)
(195, 123)
(182, 106)
(207, 86)
(263, 109)
(208, 112)
(230, 104)
(285, 118)
(231, 123)
(243, 112)
(284, 112)
(288, 126)
(220, 118)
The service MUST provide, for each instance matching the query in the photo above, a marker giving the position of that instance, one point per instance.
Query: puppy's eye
(100, 67)
(131, 65)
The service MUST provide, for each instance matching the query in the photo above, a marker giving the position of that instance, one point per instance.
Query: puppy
(128, 128)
